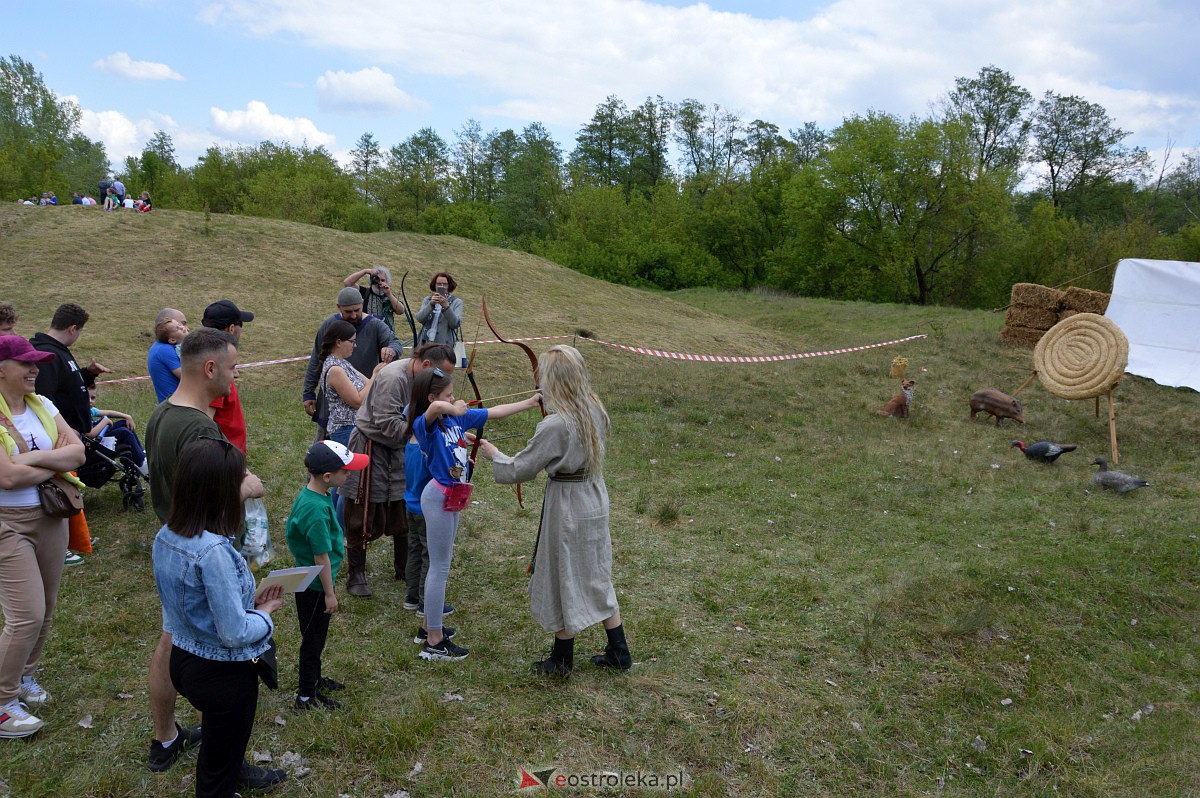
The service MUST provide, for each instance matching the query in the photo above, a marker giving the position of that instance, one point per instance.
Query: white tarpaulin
(1156, 303)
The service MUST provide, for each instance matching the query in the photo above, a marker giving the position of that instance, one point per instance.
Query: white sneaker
(16, 722)
(31, 692)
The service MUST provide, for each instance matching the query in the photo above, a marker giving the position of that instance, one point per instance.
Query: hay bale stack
(1033, 310)
(1037, 296)
(1038, 318)
(1083, 300)
(1027, 337)
(1066, 314)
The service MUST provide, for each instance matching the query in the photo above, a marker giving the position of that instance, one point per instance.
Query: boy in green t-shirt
(314, 537)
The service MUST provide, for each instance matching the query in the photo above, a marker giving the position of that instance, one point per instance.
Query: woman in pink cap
(37, 444)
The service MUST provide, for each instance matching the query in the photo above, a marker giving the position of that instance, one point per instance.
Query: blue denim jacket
(207, 594)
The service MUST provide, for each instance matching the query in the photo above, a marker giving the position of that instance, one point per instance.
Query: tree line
(993, 186)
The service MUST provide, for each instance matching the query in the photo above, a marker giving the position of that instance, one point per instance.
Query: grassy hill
(820, 601)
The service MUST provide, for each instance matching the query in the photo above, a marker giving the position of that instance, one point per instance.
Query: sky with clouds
(326, 71)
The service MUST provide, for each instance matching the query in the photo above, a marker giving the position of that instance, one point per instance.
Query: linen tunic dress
(571, 588)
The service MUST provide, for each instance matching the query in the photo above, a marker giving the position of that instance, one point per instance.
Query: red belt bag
(457, 495)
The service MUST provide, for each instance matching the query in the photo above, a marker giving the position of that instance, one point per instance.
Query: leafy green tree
(1179, 200)
(38, 133)
(501, 148)
(809, 143)
(297, 183)
(531, 186)
(1079, 150)
(708, 138)
(156, 171)
(648, 144)
(764, 146)
(83, 163)
(366, 160)
(417, 177)
(907, 217)
(601, 155)
(469, 177)
(996, 112)
(219, 180)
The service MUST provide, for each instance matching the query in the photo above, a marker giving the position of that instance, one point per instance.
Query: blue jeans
(126, 437)
(342, 436)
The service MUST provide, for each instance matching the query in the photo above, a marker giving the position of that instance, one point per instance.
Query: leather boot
(561, 659)
(616, 653)
(356, 577)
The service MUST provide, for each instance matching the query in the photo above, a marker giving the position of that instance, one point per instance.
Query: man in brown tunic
(374, 497)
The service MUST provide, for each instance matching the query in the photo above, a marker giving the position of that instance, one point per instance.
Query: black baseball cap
(223, 313)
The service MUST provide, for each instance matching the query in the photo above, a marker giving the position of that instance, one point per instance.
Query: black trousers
(418, 557)
(314, 630)
(227, 694)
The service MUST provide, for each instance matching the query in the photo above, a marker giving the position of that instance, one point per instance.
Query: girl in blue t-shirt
(439, 424)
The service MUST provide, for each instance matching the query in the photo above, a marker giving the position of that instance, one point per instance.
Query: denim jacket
(207, 594)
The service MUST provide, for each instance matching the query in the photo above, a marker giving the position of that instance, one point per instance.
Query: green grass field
(819, 601)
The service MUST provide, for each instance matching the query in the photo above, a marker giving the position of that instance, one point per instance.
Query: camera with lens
(374, 279)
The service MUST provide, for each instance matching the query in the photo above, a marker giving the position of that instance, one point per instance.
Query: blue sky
(326, 71)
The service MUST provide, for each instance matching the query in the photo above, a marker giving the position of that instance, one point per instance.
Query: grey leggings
(440, 529)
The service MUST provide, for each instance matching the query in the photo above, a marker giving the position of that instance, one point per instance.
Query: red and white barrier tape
(748, 358)
(641, 350)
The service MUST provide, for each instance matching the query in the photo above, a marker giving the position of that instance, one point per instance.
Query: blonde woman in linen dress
(571, 588)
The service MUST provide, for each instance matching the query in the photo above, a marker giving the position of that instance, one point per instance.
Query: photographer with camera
(377, 297)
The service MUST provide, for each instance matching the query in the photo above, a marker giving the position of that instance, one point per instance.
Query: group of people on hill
(394, 456)
(112, 196)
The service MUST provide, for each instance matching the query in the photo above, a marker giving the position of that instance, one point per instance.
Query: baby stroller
(103, 463)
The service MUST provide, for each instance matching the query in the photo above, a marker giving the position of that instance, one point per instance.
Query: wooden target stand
(1083, 357)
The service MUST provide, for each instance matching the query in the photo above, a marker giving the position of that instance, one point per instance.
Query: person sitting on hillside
(87, 200)
(110, 200)
(129, 203)
(143, 204)
(378, 298)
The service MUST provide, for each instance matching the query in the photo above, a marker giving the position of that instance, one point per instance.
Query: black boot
(561, 659)
(399, 557)
(616, 653)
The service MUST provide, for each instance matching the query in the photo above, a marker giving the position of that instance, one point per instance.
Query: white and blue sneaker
(31, 692)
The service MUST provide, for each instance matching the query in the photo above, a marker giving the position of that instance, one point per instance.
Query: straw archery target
(1082, 356)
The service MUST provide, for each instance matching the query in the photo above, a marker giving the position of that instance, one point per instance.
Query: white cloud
(257, 123)
(122, 66)
(121, 136)
(369, 90)
(124, 137)
(554, 62)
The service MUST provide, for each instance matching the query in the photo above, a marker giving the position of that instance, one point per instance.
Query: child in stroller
(112, 445)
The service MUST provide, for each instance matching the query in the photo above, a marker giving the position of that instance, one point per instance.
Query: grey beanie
(349, 296)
